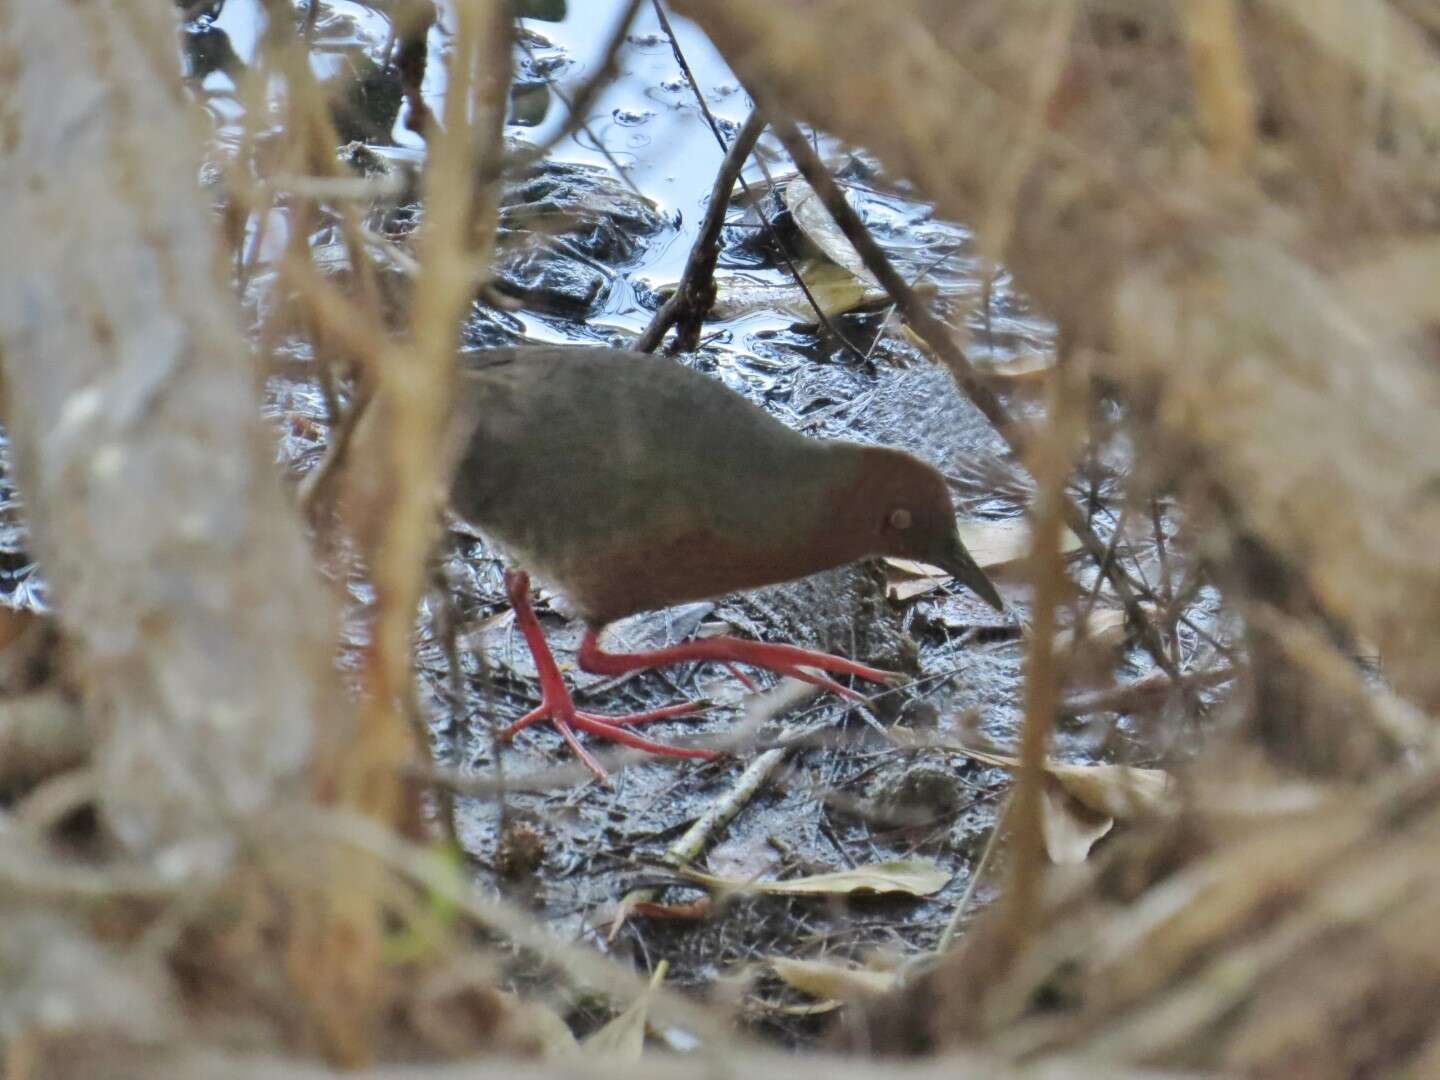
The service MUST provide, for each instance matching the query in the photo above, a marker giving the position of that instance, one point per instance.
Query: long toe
(607, 727)
(534, 716)
(668, 712)
(817, 679)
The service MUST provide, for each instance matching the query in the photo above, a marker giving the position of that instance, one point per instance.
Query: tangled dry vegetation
(210, 847)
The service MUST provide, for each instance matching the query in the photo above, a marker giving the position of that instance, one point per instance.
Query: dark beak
(966, 570)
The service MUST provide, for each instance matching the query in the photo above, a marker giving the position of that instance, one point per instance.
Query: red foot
(783, 659)
(557, 706)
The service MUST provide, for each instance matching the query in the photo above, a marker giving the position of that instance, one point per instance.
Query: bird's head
(905, 505)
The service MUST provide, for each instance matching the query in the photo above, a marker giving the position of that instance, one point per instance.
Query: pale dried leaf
(998, 545)
(1069, 827)
(814, 220)
(533, 1027)
(995, 545)
(1121, 791)
(912, 877)
(906, 579)
(1025, 367)
(834, 288)
(1082, 802)
(813, 1008)
(910, 566)
(1103, 628)
(623, 1037)
(833, 981)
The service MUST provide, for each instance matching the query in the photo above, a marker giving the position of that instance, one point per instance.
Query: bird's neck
(852, 505)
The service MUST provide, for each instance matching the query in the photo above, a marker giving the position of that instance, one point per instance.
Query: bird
(630, 482)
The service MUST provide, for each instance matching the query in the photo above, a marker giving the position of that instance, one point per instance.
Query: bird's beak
(959, 564)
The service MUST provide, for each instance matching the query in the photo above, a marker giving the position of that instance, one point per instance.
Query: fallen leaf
(906, 579)
(813, 219)
(1069, 827)
(995, 546)
(912, 877)
(623, 1037)
(459, 1017)
(812, 1008)
(834, 288)
(1082, 802)
(911, 566)
(998, 545)
(833, 981)
(1122, 791)
(535, 1024)
(1104, 628)
(1024, 367)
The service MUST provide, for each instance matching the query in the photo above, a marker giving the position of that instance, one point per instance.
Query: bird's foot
(558, 707)
(567, 719)
(806, 665)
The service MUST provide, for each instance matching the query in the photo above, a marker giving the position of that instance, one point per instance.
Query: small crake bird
(630, 483)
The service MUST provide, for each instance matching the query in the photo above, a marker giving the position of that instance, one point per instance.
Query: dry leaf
(623, 1038)
(997, 545)
(1103, 628)
(1069, 827)
(814, 220)
(1121, 791)
(912, 877)
(458, 1014)
(994, 545)
(906, 579)
(1082, 802)
(834, 288)
(812, 1008)
(833, 981)
(536, 1027)
(1025, 367)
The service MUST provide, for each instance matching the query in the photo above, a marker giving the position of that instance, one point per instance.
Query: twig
(719, 814)
(1224, 97)
(976, 876)
(695, 294)
(770, 232)
(316, 490)
(1141, 694)
(1316, 655)
(447, 630)
(938, 337)
(1043, 674)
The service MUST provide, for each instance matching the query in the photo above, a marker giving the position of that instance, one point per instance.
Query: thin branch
(695, 294)
(770, 232)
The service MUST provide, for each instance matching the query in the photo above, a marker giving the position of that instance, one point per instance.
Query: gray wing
(584, 457)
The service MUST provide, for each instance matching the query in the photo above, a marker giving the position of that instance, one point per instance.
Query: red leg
(784, 659)
(557, 706)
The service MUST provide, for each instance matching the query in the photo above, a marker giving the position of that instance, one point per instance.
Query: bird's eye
(899, 518)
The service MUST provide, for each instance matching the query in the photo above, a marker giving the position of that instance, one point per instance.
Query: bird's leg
(557, 706)
(782, 659)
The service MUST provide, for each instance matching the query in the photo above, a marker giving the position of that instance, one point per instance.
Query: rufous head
(906, 506)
